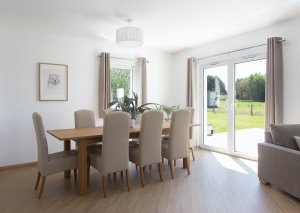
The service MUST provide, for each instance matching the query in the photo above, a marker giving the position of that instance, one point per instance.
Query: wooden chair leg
(88, 174)
(127, 180)
(42, 187)
(104, 185)
(122, 174)
(169, 162)
(115, 175)
(188, 166)
(75, 175)
(37, 180)
(150, 167)
(171, 169)
(160, 173)
(144, 168)
(174, 162)
(142, 175)
(162, 160)
(192, 151)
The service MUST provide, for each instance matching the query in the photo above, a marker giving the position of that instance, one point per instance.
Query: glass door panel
(215, 107)
(249, 106)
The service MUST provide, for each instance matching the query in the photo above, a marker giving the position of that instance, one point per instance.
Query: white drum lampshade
(129, 37)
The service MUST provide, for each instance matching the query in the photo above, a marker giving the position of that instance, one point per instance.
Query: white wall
(20, 53)
(290, 30)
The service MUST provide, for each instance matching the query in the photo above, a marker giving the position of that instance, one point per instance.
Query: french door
(233, 105)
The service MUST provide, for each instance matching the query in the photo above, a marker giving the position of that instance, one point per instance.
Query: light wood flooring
(218, 183)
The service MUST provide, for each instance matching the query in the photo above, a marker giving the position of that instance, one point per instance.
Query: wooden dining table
(85, 136)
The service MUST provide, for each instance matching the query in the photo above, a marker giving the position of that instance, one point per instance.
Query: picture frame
(53, 82)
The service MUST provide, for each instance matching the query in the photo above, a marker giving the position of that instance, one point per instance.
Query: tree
(120, 78)
(212, 82)
(251, 88)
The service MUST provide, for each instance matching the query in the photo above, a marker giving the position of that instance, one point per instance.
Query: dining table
(85, 136)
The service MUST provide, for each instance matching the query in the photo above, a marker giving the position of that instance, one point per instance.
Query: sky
(242, 70)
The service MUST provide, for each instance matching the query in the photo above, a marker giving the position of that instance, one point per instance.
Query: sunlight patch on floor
(227, 162)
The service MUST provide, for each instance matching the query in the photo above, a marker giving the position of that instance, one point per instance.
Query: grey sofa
(279, 159)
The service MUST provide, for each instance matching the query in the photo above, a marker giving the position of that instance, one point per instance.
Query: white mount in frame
(53, 82)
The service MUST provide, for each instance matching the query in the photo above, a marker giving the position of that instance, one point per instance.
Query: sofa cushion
(283, 135)
(297, 139)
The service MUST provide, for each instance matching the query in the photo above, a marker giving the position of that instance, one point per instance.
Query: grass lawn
(244, 119)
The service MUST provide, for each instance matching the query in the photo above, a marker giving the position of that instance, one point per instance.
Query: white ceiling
(169, 25)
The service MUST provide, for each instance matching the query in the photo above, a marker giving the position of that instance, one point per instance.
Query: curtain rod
(127, 59)
(233, 51)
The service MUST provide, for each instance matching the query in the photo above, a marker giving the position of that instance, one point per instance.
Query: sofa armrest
(280, 166)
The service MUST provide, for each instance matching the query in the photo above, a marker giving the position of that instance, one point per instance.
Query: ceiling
(169, 25)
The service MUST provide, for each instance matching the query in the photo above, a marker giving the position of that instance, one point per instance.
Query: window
(121, 79)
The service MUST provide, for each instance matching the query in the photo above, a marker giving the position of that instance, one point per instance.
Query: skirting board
(18, 165)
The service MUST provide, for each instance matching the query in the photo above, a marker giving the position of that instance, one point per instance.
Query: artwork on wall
(53, 82)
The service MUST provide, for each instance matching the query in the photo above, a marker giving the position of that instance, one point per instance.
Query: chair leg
(174, 162)
(142, 175)
(192, 151)
(115, 175)
(127, 180)
(42, 187)
(122, 174)
(75, 175)
(37, 180)
(160, 174)
(188, 166)
(171, 168)
(104, 185)
(150, 167)
(162, 160)
(88, 174)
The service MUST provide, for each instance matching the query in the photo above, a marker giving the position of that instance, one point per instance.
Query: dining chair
(148, 151)
(85, 118)
(176, 146)
(50, 163)
(114, 155)
(191, 110)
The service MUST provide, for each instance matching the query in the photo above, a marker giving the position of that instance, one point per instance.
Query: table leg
(184, 162)
(82, 168)
(67, 146)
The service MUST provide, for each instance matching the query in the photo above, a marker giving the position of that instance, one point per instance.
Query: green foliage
(211, 84)
(120, 78)
(168, 110)
(130, 105)
(251, 88)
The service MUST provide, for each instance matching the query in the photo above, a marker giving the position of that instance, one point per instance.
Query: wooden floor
(218, 183)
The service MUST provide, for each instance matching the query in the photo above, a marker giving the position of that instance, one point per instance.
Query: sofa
(279, 158)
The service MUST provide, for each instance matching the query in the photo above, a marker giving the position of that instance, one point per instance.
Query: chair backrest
(84, 118)
(191, 110)
(115, 149)
(150, 137)
(41, 140)
(179, 134)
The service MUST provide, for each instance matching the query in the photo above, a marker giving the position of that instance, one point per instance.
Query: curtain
(104, 83)
(140, 80)
(274, 83)
(191, 78)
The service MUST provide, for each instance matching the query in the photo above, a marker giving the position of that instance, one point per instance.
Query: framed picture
(53, 82)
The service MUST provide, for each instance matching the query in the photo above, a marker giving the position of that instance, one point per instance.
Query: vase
(132, 123)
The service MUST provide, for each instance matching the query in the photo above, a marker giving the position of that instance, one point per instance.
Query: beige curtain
(191, 70)
(104, 83)
(274, 83)
(140, 80)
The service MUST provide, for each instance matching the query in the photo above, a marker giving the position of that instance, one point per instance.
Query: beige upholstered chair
(192, 110)
(50, 163)
(176, 146)
(148, 151)
(85, 118)
(113, 156)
